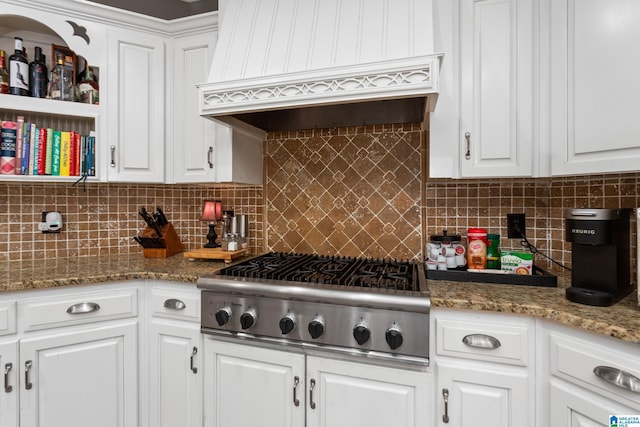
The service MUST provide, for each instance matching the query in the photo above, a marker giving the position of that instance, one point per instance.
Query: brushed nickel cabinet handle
(191, 365)
(113, 156)
(83, 308)
(27, 367)
(481, 341)
(312, 404)
(175, 304)
(467, 136)
(210, 157)
(296, 381)
(8, 388)
(445, 396)
(618, 378)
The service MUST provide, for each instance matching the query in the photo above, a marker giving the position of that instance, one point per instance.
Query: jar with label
(477, 248)
(493, 251)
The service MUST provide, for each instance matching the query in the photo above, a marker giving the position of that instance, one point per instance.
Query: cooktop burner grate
(329, 270)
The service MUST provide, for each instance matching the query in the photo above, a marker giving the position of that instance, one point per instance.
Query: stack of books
(31, 150)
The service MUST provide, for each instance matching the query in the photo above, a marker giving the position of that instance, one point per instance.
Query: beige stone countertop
(621, 320)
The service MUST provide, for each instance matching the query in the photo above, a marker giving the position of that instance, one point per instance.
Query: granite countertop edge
(622, 320)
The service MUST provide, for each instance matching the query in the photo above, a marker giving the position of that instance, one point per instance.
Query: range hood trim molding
(417, 76)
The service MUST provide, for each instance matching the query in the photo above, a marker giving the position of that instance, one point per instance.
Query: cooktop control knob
(316, 327)
(393, 337)
(248, 318)
(287, 324)
(223, 315)
(361, 333)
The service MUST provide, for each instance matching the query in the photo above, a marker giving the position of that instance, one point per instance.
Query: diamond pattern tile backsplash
(349, 191)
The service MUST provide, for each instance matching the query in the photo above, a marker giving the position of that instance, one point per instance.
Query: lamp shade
(211, 210)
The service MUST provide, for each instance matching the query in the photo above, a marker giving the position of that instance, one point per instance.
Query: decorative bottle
(4, 74)
(38, 75)
(88, 89)
(18, 71)
(61, 82)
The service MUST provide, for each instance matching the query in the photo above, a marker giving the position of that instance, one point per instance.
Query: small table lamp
(212, 213)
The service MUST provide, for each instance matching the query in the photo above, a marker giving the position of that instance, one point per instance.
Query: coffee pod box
(516, 262)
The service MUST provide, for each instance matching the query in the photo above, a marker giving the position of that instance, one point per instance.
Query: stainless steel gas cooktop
(377, 308)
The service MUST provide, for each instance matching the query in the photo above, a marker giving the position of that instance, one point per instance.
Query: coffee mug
(451, 262)
(460, 260)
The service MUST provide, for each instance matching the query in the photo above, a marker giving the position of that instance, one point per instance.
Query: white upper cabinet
(594, 86)
(193, 136)
(483, 124)
(136, 76)
(496, 87)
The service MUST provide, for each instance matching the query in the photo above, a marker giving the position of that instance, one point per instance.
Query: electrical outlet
(516, 227)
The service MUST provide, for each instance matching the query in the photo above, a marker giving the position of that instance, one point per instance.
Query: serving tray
(539, 277)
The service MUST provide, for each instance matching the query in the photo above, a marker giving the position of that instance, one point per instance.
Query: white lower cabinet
(356, 394)
(475, 395)
(80, 377)
(247, 385)
(175, 355)
(484, 369)
(10, 389)
(571, 406)
(252, 386)
(587, 377)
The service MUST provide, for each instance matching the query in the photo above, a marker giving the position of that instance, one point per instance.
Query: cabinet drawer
(183, 304)
(7, 318)
(79, 308)
(483, 340)
(574, 359)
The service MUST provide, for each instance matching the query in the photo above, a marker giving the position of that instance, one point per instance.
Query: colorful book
(65, 153)
(8, 148)
(36, 151)
(19, 144)
(42, 149)
(32, 147)
(55, 153)
(77, 153)
(26, 148)
(91, 168)
(48, 156)
(72, 153)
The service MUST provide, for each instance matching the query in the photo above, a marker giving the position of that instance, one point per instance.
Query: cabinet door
(175, 387)
(347, 394)
(136, 106)
(10, 389)
(571, 406)
(484, 396)
(496, 77)
(193, 136)
(252, 386)
(594, 87)
(80, 378)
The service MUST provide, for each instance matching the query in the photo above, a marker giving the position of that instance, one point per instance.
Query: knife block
(172, 242)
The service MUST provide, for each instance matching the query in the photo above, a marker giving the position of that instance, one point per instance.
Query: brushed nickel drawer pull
(467, 136)
(27, 367)
(481, 341)
(210, 157)
(312, 404)
(83, 308)
(618, 378)
(445, 396)
(175, 304)
(296, 381)
(113, 156)
(7, 368)
(193, 354)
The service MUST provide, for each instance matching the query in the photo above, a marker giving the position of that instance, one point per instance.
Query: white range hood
(300, 64)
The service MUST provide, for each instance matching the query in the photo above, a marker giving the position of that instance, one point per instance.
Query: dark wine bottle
(38, 75)
(18, 71)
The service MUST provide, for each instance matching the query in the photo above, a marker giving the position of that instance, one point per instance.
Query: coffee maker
(600, 255)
